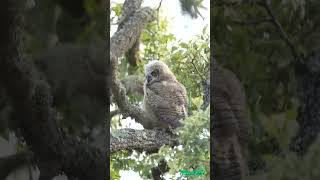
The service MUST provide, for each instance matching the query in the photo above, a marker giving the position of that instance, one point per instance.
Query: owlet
(165, 99)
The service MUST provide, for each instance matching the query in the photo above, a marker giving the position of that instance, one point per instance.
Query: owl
(231, 126)
(165, 98)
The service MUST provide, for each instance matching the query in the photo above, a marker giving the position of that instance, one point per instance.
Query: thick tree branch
(123, 39)
(113, 113)
(133, 84)
(128, 9)
(308, 118)
(141, 140)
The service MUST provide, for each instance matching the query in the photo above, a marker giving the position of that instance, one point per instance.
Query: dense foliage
(247, 41)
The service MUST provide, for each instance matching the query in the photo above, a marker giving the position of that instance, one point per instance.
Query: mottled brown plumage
(165, 99)
(230, 126)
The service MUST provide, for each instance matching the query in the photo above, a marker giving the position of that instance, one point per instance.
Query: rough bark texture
(308, 78)
(230, 127)
(141, 140)
(123, 39)
(133, 84)
(128, 9)
(54, 151)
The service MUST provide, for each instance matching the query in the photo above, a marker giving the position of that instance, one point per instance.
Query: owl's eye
(154, 73)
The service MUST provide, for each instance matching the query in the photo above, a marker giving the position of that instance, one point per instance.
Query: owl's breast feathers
(169, 101)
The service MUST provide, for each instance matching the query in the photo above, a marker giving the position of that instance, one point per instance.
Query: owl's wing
(168, 101)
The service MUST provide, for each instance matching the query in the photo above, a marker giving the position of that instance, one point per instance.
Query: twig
(115, 112)
(158, 8)
(158, 11)
(252, 22)
(283, 35)
(195, 67)
(196, 10)
(225, 4)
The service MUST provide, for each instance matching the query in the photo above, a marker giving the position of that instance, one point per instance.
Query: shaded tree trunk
(308, 78)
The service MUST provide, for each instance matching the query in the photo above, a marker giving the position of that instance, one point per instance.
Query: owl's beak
(149, 78)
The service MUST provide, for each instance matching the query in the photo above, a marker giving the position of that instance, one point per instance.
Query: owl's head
(156, 71)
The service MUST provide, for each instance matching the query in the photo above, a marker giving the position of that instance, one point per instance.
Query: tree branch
(253, 22)
(283, 35)
(141, 140)
(128, 9)
(113, 113)
(133, 84)
(122, 40)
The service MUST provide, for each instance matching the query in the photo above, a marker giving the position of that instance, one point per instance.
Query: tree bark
(308, 78)
(128, 9)
(141, 140)
(122, 40)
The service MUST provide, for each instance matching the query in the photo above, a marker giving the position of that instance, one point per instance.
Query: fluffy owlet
(231, 126)
(165, 99)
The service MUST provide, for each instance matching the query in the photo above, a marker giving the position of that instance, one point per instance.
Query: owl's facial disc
(153, 76)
